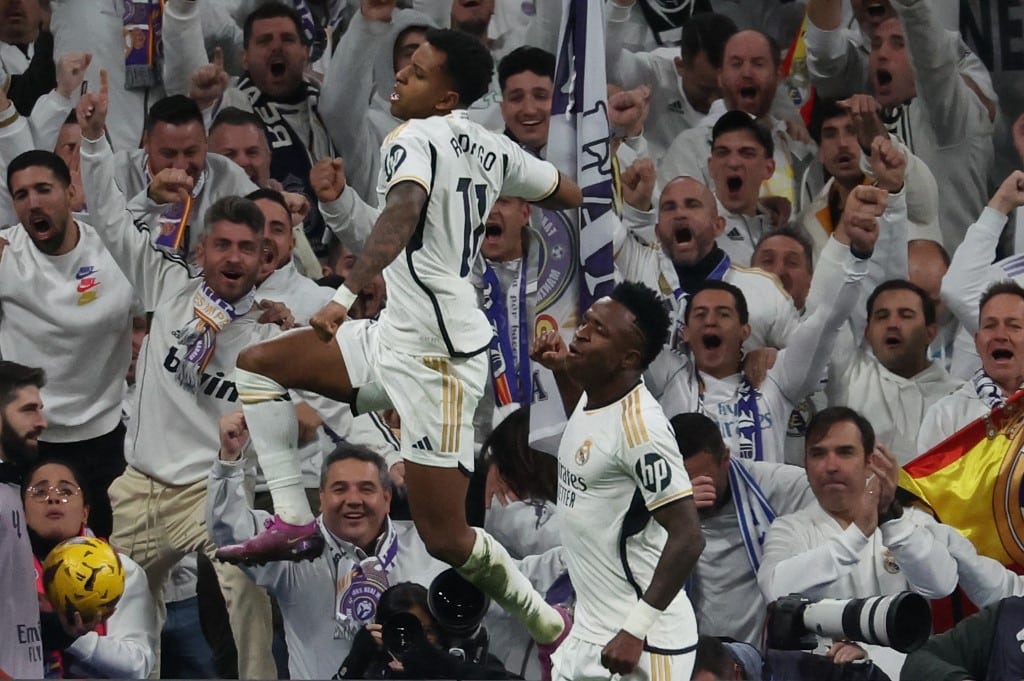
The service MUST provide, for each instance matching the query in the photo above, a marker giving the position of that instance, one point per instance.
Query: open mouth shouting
(1002, 355)
(711, 341)
(893, 340)
(683, 235)
(749, 94)
(876, 10)
(278, 67)
(493, 232)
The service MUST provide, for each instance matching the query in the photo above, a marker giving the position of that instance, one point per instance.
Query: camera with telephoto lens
(459, 609)
(902, 621)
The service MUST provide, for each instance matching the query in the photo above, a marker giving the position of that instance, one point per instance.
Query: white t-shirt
(616, 465)
(463, 168)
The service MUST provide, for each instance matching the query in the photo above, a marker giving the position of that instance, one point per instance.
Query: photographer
(408, 642)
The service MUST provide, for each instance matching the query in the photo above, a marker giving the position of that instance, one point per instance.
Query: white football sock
(274, 429)
(491, 569)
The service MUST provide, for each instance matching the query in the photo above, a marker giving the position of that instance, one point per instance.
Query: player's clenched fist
(327, 320)
(550, 350)
(622, 653)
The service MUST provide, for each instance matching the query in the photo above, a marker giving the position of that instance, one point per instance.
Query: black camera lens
(456, 604)
(402, 632)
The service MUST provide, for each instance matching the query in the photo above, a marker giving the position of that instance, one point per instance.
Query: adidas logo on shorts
(424, 444)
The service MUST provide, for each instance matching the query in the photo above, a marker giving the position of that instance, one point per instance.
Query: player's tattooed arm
(390, 234)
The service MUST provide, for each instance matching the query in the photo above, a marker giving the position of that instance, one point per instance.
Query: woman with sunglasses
(122, 645)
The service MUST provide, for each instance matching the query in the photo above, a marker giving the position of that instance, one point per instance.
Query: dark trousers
(98, 461)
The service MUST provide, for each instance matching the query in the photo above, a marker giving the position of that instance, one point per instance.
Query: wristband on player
(640, 620)
(344, 297)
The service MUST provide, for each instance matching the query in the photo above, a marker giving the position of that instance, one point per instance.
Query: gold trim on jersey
(668, 500)
(452, 395)
(550, 192)
(395, 133)
(409, 178)
(633, 420)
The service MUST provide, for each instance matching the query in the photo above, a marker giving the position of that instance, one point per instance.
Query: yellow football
(83, 574)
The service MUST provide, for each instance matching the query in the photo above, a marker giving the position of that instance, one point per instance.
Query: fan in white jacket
(995, 324)
(857, 541)
(883, 366)
(318, 598)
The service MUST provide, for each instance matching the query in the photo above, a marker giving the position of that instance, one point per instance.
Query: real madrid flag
(973, 482)
(577, 263)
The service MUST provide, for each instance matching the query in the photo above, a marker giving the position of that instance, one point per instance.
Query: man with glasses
(21, 422)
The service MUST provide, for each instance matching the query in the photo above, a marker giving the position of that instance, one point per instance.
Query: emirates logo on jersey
(394, 160)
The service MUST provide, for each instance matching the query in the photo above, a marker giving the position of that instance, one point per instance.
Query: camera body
(459, 609)
(901, 621)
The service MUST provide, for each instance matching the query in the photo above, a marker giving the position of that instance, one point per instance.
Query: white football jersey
(616, 465)
(464, 168)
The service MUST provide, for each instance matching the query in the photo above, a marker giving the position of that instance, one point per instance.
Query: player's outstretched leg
(264, 374)
(437, 498)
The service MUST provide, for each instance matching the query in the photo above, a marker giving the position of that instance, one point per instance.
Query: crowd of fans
(821, 192)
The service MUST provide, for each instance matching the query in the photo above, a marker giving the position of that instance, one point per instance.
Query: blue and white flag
(579, 145)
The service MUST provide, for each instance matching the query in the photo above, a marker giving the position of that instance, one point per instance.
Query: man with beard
(752, 417)
(176, 138)
(687, 255)
(934, 110)
(58, 282)
(736, 499)
(749, 79)
(682, 86)
(890, 373)
(278, 278)
(21, 422)
(840, 129)
(276, 89)
(199, 324)
(989, 302)
(425, 355)
(837, 57)
(239, 136)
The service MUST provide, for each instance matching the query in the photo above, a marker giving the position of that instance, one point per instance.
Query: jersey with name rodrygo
(616, 465)
(464, 168)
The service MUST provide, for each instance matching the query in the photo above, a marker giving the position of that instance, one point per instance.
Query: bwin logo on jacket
(214, 385)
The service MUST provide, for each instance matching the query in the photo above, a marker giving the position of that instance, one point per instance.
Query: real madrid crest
(889, 563)
(583, 453)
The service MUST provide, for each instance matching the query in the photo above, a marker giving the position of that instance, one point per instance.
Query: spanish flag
(798, 78)
(972, 480)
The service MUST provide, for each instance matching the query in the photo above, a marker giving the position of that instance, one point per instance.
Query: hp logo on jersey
(653, 473)
(393, 161)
